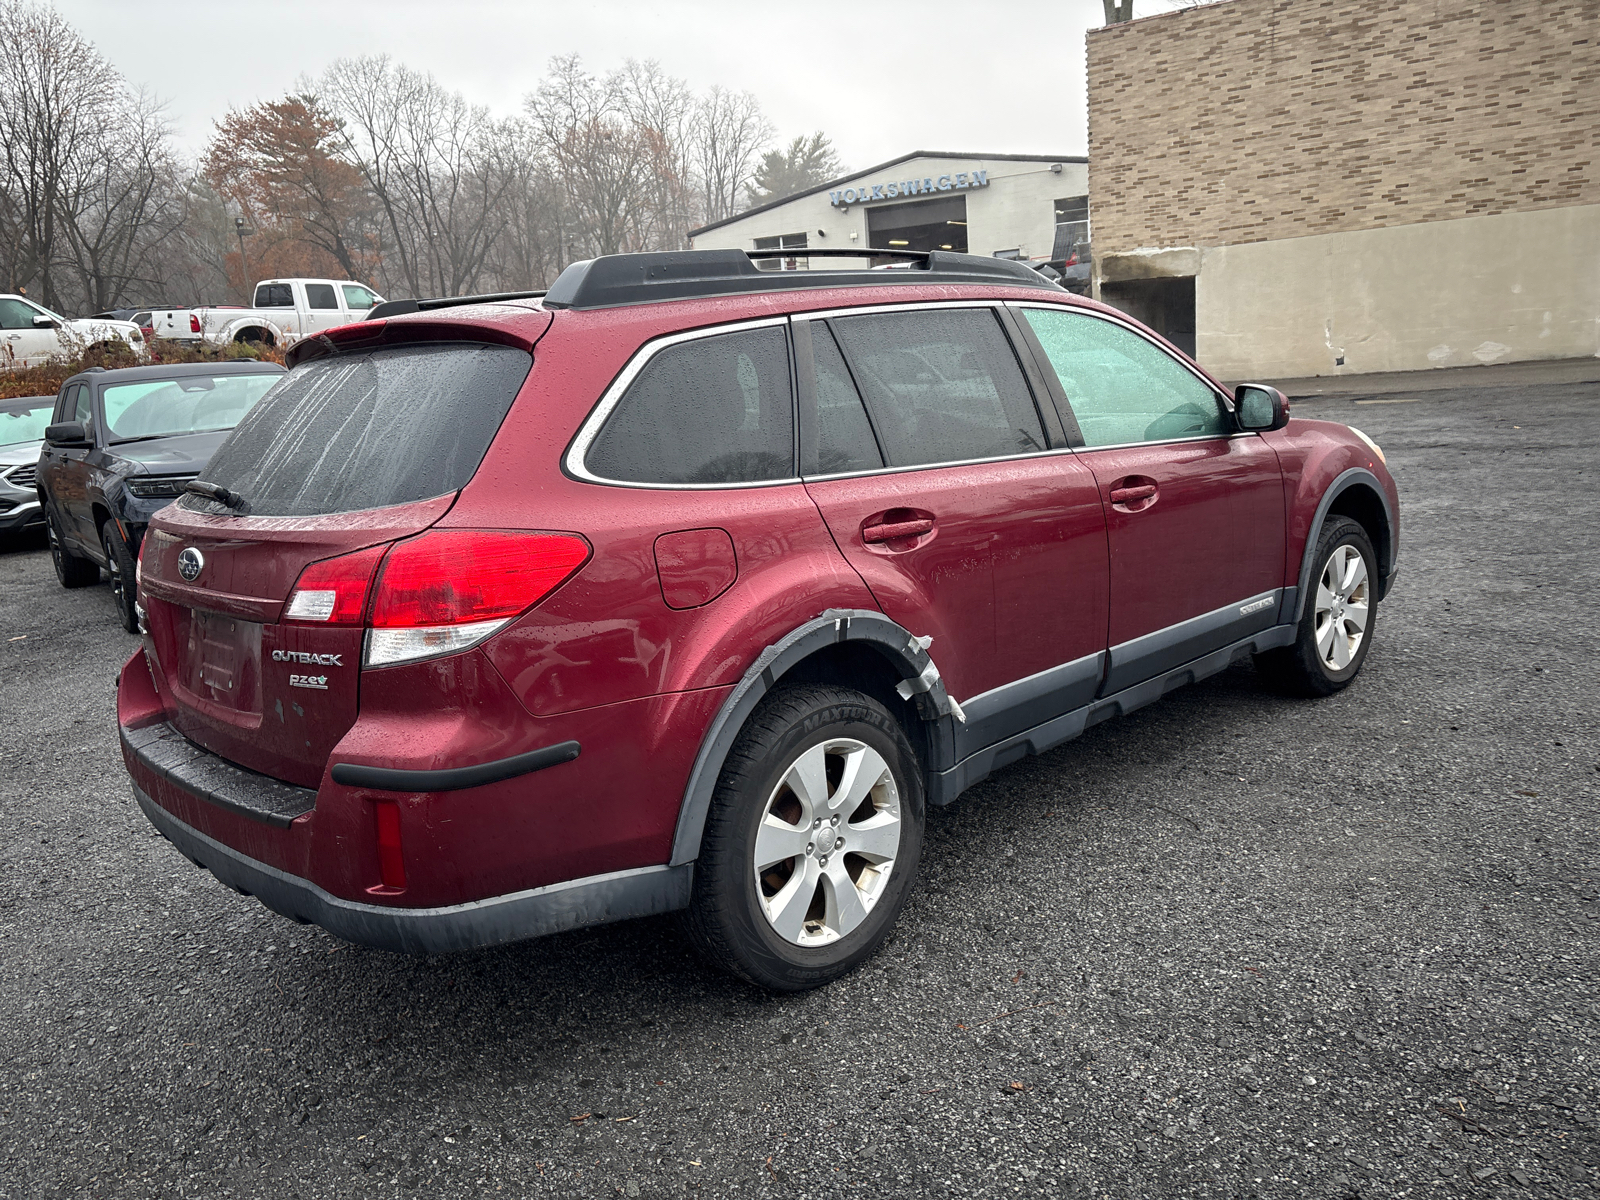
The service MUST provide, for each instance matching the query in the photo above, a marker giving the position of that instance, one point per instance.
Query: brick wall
(1251, 120)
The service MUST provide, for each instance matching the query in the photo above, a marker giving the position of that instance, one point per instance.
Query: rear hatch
(346, 454)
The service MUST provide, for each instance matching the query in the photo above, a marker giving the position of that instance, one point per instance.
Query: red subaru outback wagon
(688, 586)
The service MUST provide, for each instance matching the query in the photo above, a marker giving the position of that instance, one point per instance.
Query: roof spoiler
(398, 308)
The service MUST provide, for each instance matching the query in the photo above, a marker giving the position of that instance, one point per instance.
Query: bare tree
(729, 132)
(124, 203)
(439, 170)
(57, 98)
(599, 155)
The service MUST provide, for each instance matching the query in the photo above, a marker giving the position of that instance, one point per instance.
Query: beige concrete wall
(1492, 289)
(1016, 209)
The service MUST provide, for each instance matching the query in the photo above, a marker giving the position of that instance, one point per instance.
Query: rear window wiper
(221, 495)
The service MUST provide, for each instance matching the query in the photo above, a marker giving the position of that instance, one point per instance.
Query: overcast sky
(880, 77)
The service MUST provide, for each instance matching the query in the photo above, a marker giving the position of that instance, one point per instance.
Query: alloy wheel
(827, 843)
(1343, 606)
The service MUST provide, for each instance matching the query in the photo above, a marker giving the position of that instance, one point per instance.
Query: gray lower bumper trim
(595, 900)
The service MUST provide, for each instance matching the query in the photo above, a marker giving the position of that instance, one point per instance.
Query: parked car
(122, 445)
(284, 310)
(689, 585)
(22, 423)
(31, 334)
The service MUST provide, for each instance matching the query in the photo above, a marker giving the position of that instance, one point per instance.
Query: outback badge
(190, 564)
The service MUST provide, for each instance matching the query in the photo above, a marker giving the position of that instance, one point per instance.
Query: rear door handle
(892, 530)
(1127, 495)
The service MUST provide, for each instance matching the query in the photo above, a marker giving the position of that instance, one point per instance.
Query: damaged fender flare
(904, 651)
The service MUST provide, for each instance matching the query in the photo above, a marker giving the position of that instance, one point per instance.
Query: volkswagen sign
(190, 563)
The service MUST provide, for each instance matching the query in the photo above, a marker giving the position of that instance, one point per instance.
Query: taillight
(334, 591)
(448, 589)
(194, 322)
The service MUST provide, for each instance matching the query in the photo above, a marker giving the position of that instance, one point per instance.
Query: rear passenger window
(321, 295)
(942, 385)
(844, 435)
(1123, 388)
(274, 295)
(711, 410)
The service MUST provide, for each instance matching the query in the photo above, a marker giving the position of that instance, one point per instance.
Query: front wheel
(1339, 618)
(72, 570)
(121, 567)
(812, 840)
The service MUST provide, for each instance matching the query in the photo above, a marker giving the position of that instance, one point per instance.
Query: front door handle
(889, 531)
(1127, 495)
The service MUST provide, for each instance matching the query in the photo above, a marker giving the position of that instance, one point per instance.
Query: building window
(1072, 226)
(785, 241)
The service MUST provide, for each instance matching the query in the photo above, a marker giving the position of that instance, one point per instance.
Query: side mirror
(1260, 409)
(40, 321)
(67, 433)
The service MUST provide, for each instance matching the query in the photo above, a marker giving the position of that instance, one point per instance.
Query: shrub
(46, 380)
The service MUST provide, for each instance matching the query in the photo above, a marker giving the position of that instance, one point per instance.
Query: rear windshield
(359, 431)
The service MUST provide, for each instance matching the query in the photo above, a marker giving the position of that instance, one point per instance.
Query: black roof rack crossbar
(618, 279)
(396, 308)
(837, 252)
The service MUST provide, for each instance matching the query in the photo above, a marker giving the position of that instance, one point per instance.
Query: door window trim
(578, 449)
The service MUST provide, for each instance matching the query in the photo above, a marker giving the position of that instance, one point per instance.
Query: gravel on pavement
(1233, 945)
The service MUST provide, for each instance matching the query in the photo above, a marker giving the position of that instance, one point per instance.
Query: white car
(31, 335)
(285, 311)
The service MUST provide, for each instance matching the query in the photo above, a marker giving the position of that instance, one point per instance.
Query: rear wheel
(72, 570)
(121, 567)
(812, 840)
(1338, 620)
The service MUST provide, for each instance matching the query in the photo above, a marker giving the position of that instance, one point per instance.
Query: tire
(121, 569)
(816, 932)
(72, 570)
(1339, 619)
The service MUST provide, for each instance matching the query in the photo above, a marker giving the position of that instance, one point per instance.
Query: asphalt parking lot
(1234, 945)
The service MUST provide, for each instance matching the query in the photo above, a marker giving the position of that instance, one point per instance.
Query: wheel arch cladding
(798, 655)
(1357, 494)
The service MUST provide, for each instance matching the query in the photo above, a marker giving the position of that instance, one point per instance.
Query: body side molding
(1147, 656)
(945, 786)
(1294, 605)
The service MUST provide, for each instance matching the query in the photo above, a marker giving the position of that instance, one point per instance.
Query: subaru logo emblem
(190, 563)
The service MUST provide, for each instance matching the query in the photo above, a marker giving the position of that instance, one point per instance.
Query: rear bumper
(595, 900)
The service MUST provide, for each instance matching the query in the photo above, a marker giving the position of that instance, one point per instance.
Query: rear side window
(1122, 387)
(274, 295)
(942, 385)
(711, 410)
(321, 295)
(358, 431)
(844, 435)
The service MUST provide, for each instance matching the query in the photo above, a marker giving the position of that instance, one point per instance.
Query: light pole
(244, 267)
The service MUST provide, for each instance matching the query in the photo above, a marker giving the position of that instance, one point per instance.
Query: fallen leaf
(581, 1117)
(1017, 978)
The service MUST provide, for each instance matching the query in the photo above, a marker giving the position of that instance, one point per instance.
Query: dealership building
(1026, 206)
(1329, 187)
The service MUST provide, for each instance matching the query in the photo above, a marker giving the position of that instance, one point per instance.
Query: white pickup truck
(31, 334)
(285, 311)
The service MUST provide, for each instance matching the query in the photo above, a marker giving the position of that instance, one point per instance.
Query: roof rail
(396, 308)
(617, 279)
